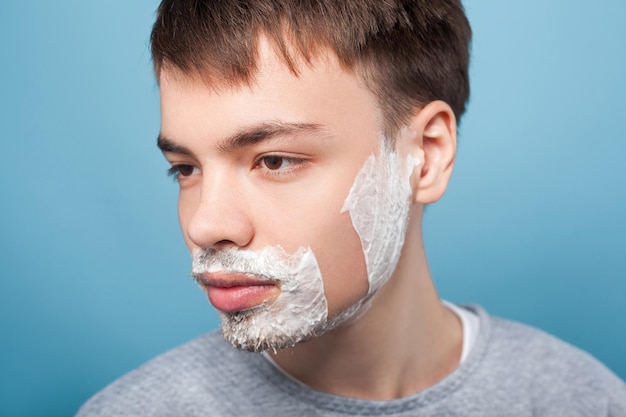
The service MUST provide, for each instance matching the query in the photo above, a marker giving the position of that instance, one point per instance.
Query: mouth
(233, 292)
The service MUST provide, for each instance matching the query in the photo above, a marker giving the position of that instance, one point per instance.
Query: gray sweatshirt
(512, 370)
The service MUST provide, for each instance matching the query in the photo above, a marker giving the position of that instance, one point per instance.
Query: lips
(231, 292)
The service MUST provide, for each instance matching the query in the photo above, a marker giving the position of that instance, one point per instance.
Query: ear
(432, 141)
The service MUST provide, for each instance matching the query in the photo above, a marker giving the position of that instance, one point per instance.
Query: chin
(262, 328)
(255, 332)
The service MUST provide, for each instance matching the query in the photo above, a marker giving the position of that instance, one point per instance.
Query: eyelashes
(179, 171)
(270, 165)
(276, 165)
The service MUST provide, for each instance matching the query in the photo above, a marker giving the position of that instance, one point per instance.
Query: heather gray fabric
(513, 370)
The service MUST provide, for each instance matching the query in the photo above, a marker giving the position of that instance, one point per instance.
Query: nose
(218, 217)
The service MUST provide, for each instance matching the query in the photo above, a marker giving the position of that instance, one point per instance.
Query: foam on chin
(298, 313)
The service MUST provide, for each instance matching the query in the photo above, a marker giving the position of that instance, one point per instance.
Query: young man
(307, 137)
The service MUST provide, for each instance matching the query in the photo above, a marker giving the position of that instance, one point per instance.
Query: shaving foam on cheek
(378, 204)
(298, 313)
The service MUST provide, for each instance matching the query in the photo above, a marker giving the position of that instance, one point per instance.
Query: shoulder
(548, 372)
(175, 382)
(538, 351)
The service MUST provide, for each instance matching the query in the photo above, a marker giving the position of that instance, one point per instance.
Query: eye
(274, 162)
(277, 165)
(185, 170)
(179, 171)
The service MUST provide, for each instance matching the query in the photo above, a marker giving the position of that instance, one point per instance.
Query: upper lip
(231, 279)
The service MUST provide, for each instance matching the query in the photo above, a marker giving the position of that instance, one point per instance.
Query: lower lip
(232, 299)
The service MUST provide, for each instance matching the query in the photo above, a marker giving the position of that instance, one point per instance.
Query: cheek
(320, 225)
(309, 215)
(312, 217)
(342, 263)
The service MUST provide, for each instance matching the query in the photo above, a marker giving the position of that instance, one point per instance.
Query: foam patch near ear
(378, 204)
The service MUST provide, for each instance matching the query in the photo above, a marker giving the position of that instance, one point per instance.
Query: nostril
(224, 244)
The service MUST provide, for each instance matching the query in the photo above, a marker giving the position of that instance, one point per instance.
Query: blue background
(94, 273)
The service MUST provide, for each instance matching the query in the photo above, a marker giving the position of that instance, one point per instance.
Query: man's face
(271, 165)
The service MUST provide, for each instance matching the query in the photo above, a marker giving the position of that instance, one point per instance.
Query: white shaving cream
(296, 314)
(378, 205)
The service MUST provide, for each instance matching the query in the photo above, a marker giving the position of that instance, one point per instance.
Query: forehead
(320, 92)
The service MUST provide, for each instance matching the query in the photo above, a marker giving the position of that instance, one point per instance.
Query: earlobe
(434, 143)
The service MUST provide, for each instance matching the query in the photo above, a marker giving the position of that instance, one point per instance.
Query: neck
(406, 342)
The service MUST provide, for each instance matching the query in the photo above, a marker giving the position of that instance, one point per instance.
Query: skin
(247, 198)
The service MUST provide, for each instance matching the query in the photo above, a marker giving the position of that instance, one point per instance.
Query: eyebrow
(167, 145)
(248, 136)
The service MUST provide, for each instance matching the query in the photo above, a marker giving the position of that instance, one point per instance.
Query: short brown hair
(408, 52)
